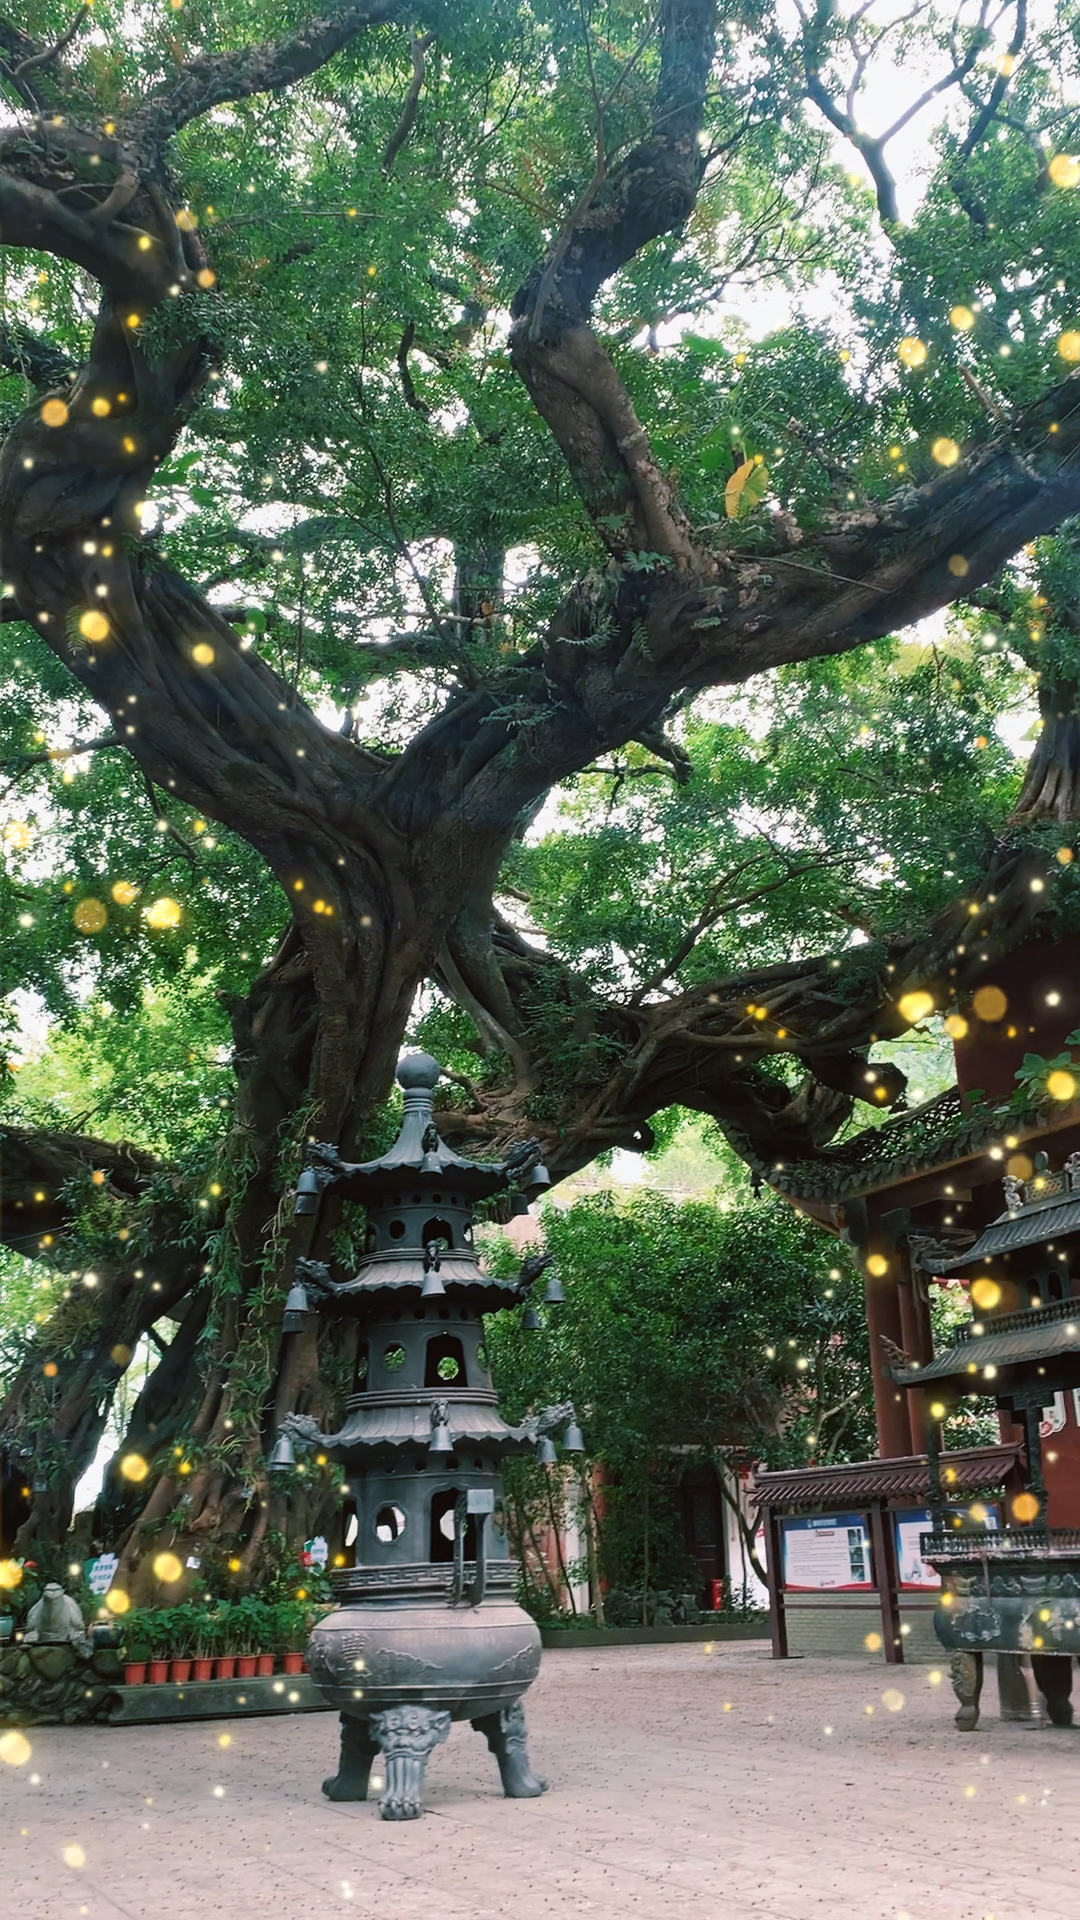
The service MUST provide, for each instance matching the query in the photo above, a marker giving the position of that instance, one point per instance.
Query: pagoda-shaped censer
(427, 1629)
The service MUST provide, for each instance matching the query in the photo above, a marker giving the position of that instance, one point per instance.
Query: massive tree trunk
(387, 864)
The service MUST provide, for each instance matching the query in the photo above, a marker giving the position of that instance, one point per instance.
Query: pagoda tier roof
(968, 1471)
(403, 1419)
(420, 1149)
(1006, 1340)
(390, 1272)
(1028, 1224)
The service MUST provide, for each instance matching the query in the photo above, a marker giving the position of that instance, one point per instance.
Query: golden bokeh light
(93, 625)
(938, 1410)
(916, 1006)
(117, 1600)
(203, 654)
(877, 1265)
(958, 566)
(990, 1003)
(945, 451)
(15, 1748)
(1068, 345)
(1064, 170)
(133, 1467)
(911, 352)
(120, 1355)
(73, 1855)
(1025, 1508)
(90, 915)
(206, 277)
(168, 1568)
(956, 1026)
(1065, 856)
(1020, 1166)
(986, 1294)
(124, 893)
(872, 1643)
(893, 1699)
(54, 413)
(1060, 1085)
(962, 318)
(163, 914)
(100, 407)
(10, 1575)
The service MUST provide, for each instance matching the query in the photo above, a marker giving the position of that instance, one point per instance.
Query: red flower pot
(159, 1672)
(245, 1666)
(135, 1673)
(294, 1662)
(264, 1664)
(201, 1669)
(225, 1666)
(180, 1671)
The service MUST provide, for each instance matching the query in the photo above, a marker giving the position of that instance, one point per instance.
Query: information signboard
(912, 1571)
(827, 1553)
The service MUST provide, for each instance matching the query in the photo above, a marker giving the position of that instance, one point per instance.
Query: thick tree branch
(37, 359)
(211, 79)
(418, 48)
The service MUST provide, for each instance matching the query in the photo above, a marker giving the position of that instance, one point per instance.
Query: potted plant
(208, 1639)
(181, 1645)
(159, 1635)
(266, 1627)
(292, 1629)
(225, 1628)
(137, 1648)
(249, 1628)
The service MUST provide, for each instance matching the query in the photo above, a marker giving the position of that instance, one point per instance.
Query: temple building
(978, 1189)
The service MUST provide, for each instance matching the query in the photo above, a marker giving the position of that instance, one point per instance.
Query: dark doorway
(445, 1362)
(703, 1522)
(442, 1527)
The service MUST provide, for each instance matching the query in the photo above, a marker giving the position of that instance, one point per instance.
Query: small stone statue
(56, 1620)
(1014, 1193)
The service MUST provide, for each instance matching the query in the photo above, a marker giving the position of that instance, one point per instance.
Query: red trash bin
(716, 1595)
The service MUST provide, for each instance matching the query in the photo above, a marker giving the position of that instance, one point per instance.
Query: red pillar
(883, 1319)
(917, 1342)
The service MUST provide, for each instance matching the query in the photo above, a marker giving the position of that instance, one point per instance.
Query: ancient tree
(307, 343)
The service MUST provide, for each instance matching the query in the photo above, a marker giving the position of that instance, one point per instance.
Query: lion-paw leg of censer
(358, 1750)
(966, 1672)
(406, 1737)
(507, 1737)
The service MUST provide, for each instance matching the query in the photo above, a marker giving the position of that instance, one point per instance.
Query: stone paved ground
(686, 1783)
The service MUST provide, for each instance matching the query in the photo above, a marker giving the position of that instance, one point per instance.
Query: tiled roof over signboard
(969, 1471)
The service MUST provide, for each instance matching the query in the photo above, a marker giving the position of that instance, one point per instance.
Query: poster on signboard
(827, 1553)
(912, 1571)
